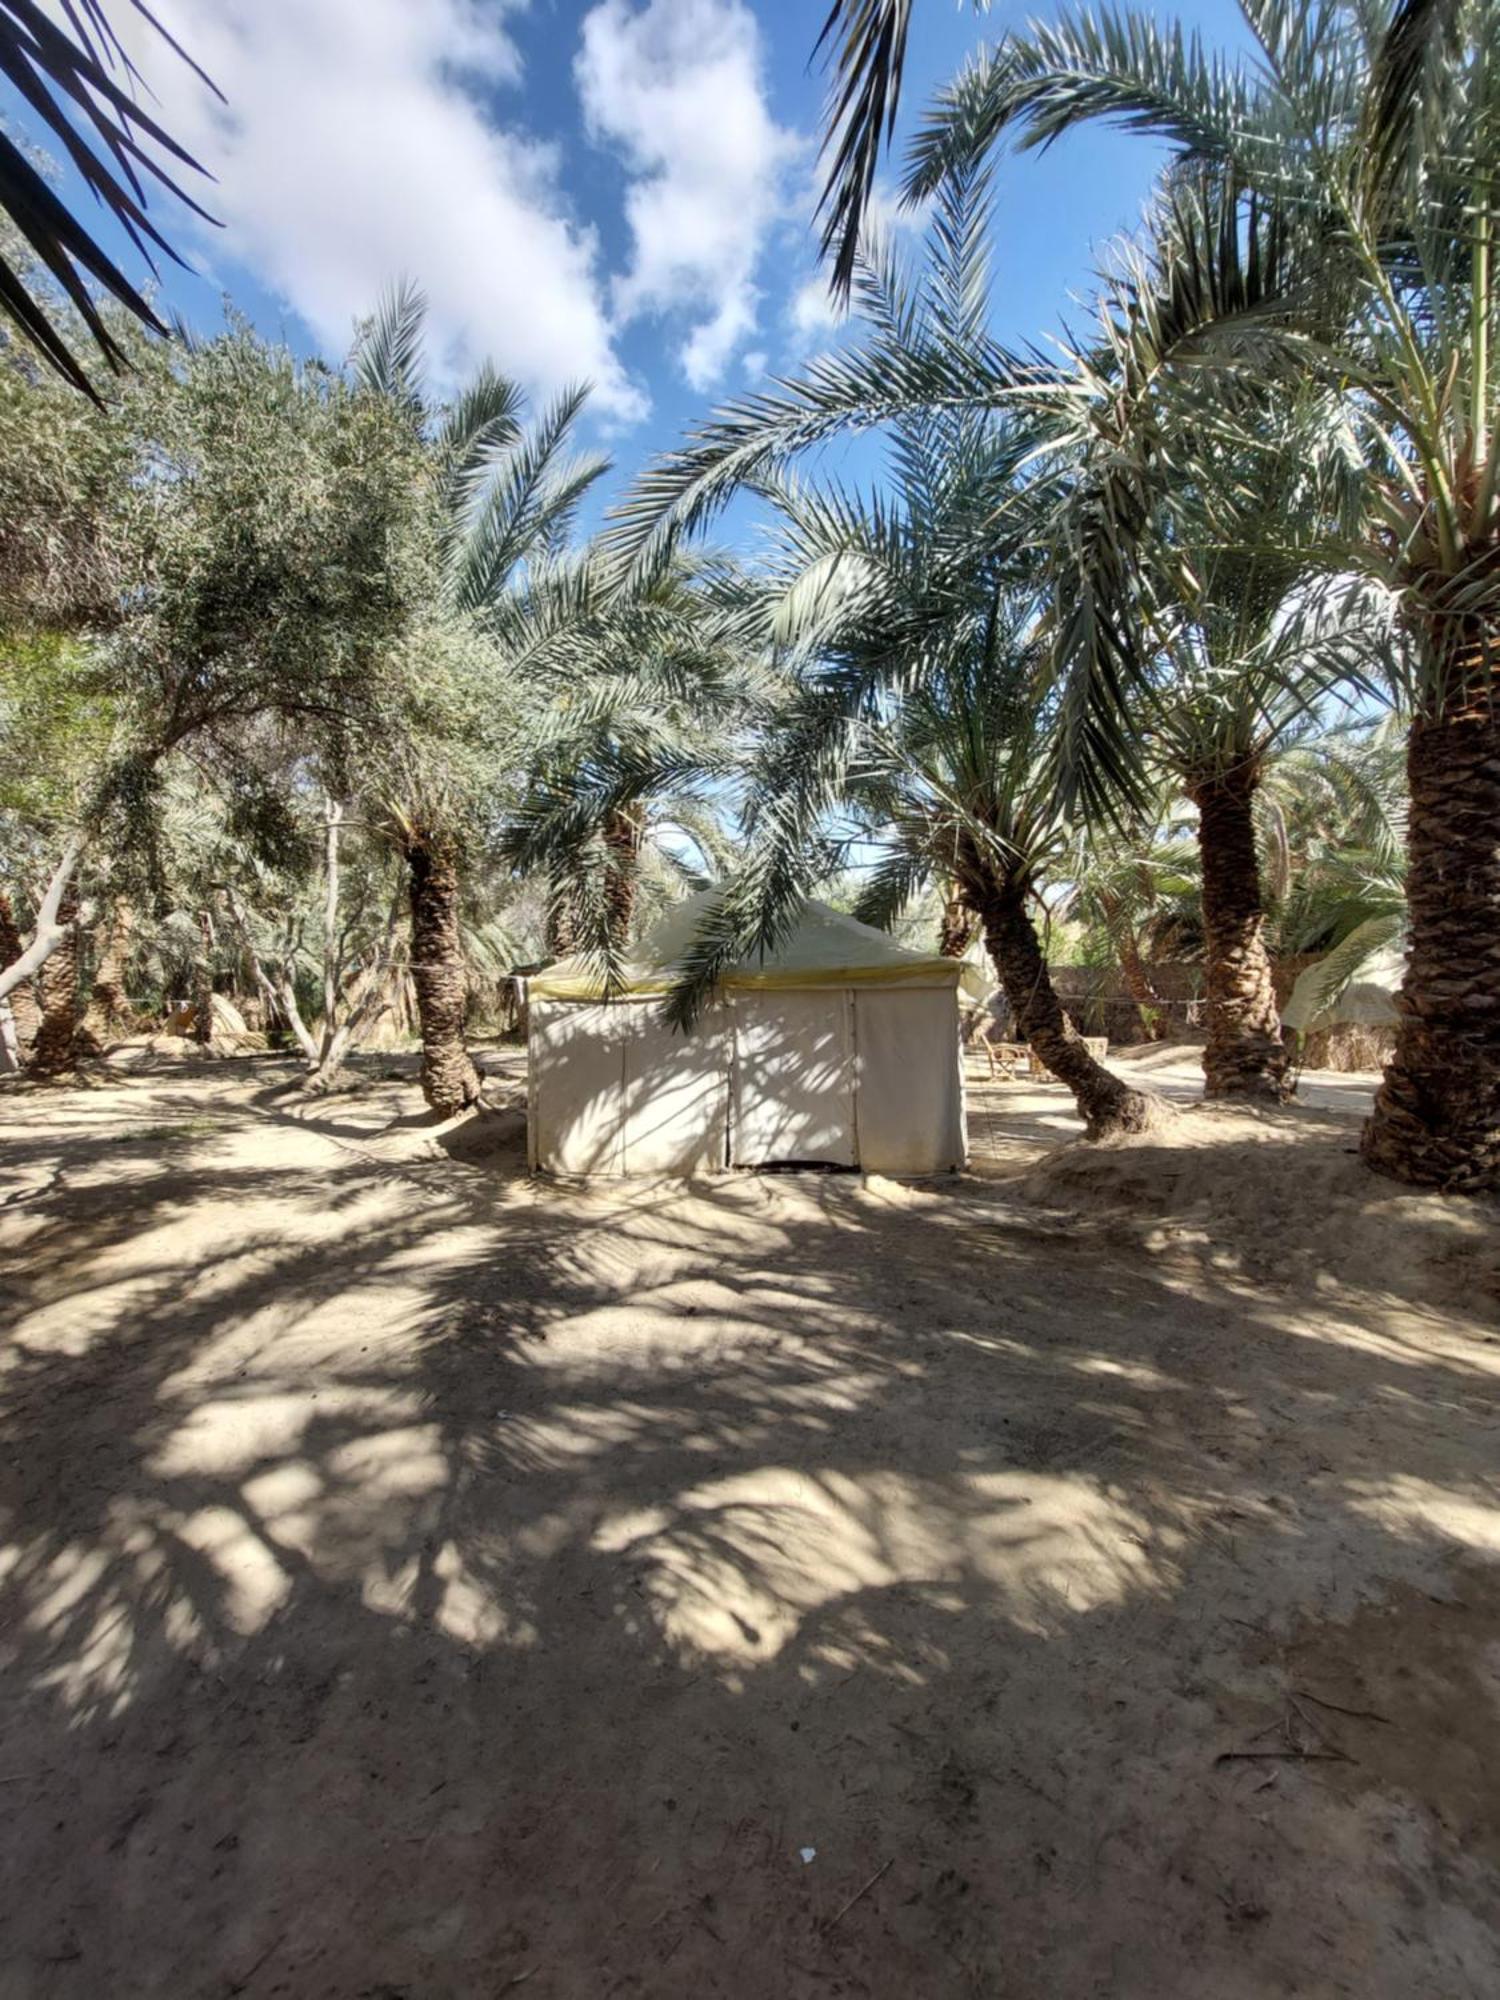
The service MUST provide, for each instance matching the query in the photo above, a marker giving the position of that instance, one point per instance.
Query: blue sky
(617, 189)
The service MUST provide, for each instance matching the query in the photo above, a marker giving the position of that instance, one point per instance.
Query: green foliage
(57, 722)
(643, 703)
(282, 541)
(65, 468)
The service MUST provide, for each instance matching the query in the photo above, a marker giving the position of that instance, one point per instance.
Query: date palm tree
(506, 496)
(641, 700)
(920, 712)
(1240, 650)
(1333, 827)
(1131, 887)
(943, 768)
(1135, 649)
(1369, 140)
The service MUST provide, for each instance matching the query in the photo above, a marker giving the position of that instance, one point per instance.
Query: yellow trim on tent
(583, 986)
(823, 948)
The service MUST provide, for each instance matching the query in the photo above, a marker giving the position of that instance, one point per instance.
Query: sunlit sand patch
(467, 1611)
(253, 1584)
(1415, 1508)
(245, 1426)
(734, 1567)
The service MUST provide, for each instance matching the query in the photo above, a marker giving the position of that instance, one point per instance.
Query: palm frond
(62, 73)
(1124, 69)
(527, 506)
(867, 44)
(388, 350)
(475, 431)
(751, 438)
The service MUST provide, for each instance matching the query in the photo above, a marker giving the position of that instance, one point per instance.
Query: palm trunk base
(1245, 1056)
(1252, 1068)
(1429, 1126)
(55, 1050)
(450, 1082)
(1107, 1105)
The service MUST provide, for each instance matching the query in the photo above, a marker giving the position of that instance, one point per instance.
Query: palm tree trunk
(1436, 1121)
(1139, 984)
(449, 1078)
(24, 1011)
(1245, 1055)
(52, 1053)
(623, 830)
(957, 929)
(1105, 1104)
(108, 1010)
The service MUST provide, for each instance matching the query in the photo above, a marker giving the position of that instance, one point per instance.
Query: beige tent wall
(793, 1083)
(576, 1063)
(910, 1102)
(844, 1076)
(676, 1093)
(613, 1091)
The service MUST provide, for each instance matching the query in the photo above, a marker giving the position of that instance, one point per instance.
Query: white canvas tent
(840, 1049)
(1357, 983)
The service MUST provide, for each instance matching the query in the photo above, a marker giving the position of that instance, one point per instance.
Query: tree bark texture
(1105, 1103)
(1436, 1121)
(561, 933)
(52, 1053)
(623, 832)
(1245, 1055)
(24, 1011)
(51, 931)
(958, 928)
(449, 1078)
(1139, 984)
(203, 982)
(108, 1011)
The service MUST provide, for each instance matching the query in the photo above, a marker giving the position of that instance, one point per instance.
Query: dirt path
(419, 1584)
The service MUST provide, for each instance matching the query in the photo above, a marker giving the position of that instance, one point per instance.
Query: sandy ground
(1079, 1577)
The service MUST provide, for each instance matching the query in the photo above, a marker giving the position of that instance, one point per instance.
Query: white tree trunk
(10, 1041)
(49, 932)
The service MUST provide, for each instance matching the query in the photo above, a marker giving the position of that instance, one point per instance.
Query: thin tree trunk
(52, 1052)
(1138, 982)
(449, 1078)
(1244, 1055)
(25, 1016)
(51, 931)
(108, 1010)
(369, 997)
(1436, 1121)
(1105, 1103)
(333, 813)
(280, 1000)
(203, 983)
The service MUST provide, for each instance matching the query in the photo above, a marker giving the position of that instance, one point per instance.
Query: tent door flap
(792, 1094)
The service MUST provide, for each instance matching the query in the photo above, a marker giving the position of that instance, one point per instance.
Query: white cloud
(888, 215)
(812, 309)
(676, 86)
(357, 149)
(813, 317)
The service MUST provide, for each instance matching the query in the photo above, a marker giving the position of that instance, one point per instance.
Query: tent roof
(823, 948)
(1369, 999)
